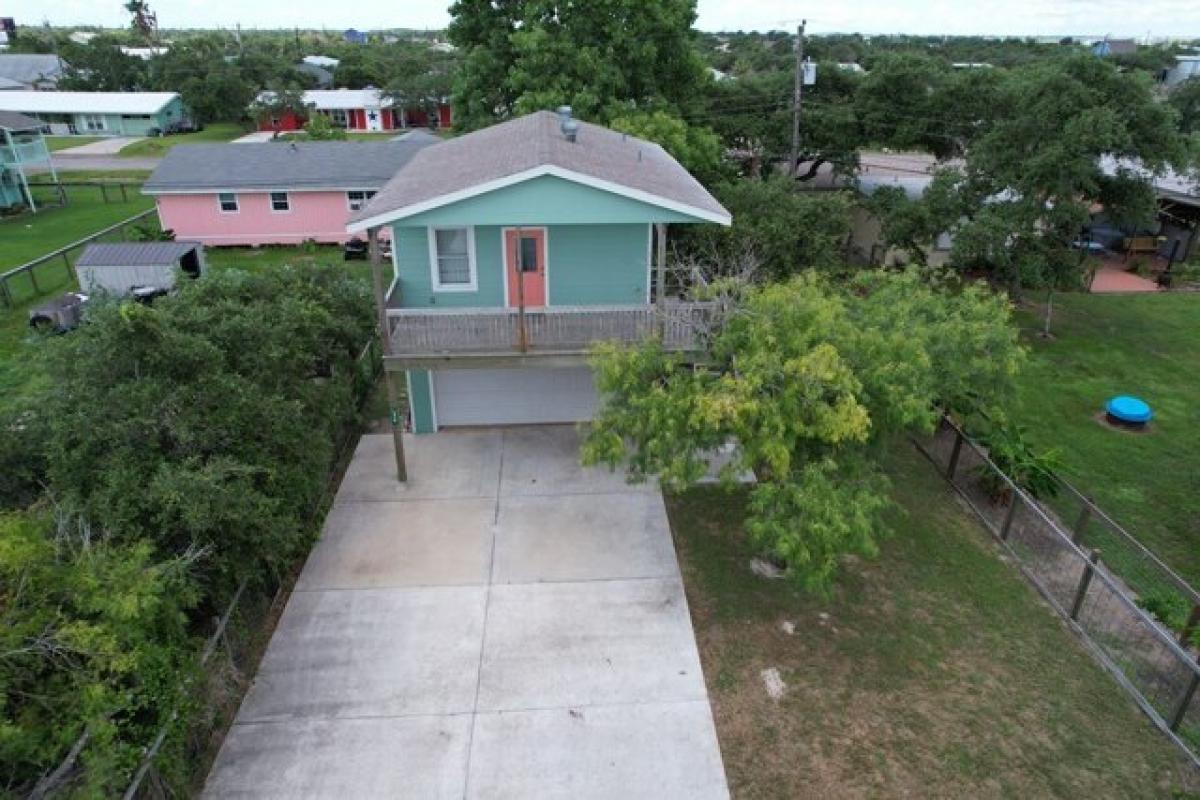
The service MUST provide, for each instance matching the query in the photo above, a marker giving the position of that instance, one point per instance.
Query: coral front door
(525, 264)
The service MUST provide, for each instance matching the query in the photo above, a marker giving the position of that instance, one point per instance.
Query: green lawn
(63, 142)
(159, 145)
(934, 671)
(1145, 345)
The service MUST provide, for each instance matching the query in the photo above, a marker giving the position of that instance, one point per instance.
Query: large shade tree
(600, 57)
(811, 379)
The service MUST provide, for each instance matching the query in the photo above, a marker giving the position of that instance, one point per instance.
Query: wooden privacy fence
(1158, 667)
(63, 255)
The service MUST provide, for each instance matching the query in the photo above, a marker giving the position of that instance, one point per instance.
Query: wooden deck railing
(555, 329)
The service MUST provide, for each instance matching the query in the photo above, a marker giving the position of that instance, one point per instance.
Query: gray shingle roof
(135, 254)
(15, 121)
(278, 165)
(29, 68)
(531, 142)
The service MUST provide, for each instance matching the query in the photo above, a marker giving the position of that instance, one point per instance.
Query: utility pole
(798, 95)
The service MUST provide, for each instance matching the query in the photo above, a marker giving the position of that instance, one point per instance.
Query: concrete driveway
(507, 625)
(107, 146)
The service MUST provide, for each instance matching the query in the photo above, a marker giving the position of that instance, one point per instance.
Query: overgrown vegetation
(184, 448)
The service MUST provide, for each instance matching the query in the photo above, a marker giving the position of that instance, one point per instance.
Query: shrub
(1032, 470)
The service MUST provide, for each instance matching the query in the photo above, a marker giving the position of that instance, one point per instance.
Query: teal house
(515, 249)
(99, 113)
(22, 145)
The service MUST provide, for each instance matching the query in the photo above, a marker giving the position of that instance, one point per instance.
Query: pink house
(273, 192)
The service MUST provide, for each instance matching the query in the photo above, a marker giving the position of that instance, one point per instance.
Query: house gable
(542, 199)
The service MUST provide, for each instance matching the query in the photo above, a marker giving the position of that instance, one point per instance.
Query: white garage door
(513, 396)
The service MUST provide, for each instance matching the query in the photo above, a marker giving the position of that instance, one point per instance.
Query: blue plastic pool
(1128, 409)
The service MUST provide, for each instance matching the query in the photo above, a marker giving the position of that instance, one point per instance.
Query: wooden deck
(437, 334)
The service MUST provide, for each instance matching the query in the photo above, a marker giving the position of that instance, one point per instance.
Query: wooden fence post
(67, 264)
(1085, 516)
(1189, 627)
(1084, 582)
(124, 195)
(1010, 516)
(954, 454)
(37, 290)
(1185, 701)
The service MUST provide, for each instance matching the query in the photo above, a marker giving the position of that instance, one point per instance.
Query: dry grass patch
(932, 672)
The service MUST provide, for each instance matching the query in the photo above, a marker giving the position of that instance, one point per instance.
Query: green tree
(1185, 99)
(780, 227)
(212, 86)
(912, 224)
(94, 638)
(1068, 135)
(810, 380)
(697, 148)
(598, 57)
(100, 66)
(320, 129)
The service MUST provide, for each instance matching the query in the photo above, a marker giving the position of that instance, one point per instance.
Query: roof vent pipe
(564, 114)
(570, 130)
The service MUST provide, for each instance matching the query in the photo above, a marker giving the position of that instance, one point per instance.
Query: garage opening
(513, 396)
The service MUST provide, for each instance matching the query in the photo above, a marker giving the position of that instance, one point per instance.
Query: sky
(1125, 18)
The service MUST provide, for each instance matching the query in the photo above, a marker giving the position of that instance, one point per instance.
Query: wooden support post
(1084, 582)
(37, 290)
(67, 264)
(519, 261)
(660, 256)
(124, 196)
(954, 455)
(395, 412)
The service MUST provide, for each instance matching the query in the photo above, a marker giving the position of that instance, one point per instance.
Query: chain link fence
(1101, 598)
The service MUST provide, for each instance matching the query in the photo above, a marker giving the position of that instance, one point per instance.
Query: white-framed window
(94, 122)
(228, 201)
(338, 117)
(279, 202)
(357, 198)
(452, 259)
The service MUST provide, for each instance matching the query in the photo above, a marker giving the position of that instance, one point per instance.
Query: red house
(356, 110)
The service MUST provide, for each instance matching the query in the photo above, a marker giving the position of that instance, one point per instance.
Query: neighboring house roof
(135, 254)
(30, 68)
(13, 121)
(531, 146)
(85, 102)
(321, 61)
(274, 166)
(322, 76)
(330, 99)
(8, 84)
(144, 53)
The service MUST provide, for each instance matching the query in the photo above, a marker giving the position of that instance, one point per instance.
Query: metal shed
(134, 267)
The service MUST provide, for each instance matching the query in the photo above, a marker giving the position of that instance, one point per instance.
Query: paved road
(509, 625)
(105, 163)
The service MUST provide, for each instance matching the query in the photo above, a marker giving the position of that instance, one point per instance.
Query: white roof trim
(536, 172)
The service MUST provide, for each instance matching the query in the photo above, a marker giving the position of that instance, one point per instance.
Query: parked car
(358, 249)
(59, 315)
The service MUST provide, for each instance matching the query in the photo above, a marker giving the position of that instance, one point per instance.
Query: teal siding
(419, 400)
(134, 124)
(598, 264)
(411, 247)
(587, 265)
(10, 189)
(546, 201)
